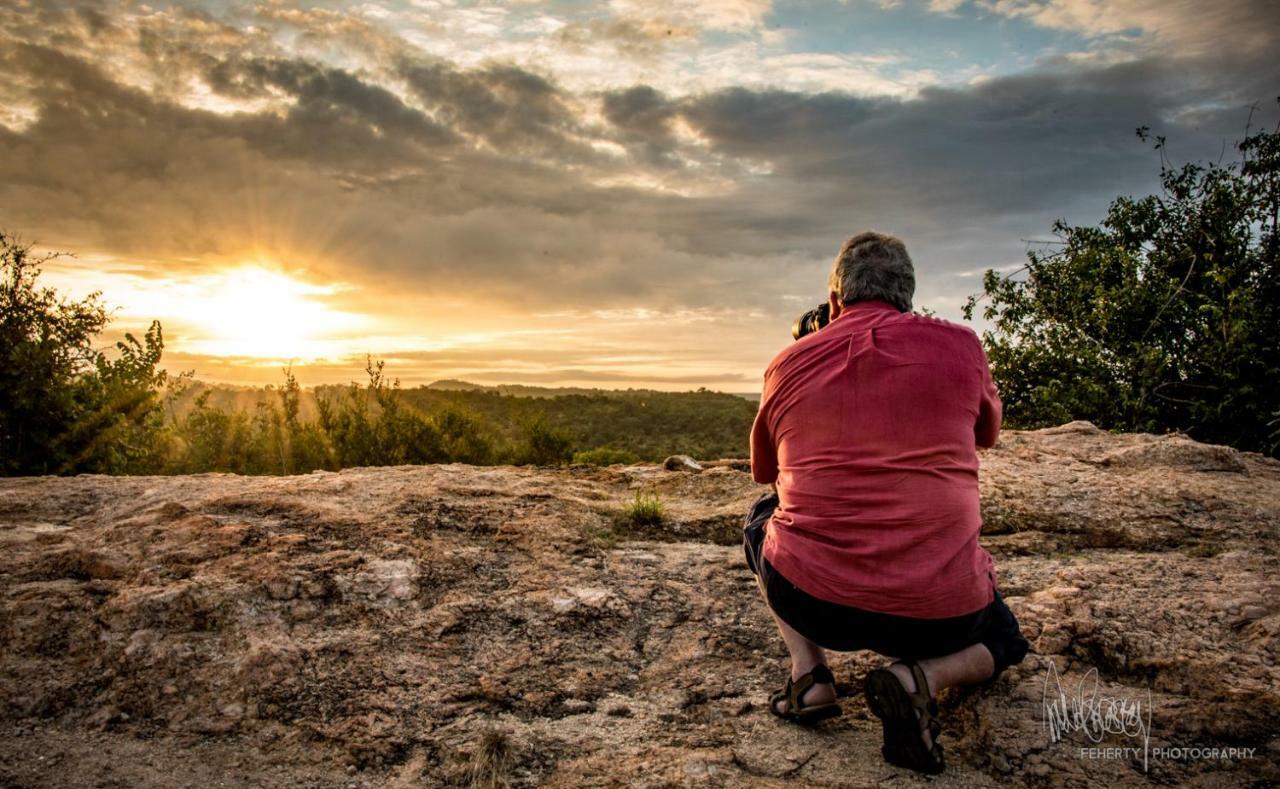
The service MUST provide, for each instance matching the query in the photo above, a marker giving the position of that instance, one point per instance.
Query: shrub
(466, 439)
(66, 407)
(1162, 318)
(371, 427)
(543, 445)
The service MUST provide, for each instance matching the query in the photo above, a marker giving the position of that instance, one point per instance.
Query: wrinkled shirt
(870, 429)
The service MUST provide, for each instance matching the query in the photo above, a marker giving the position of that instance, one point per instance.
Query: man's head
(872, 266)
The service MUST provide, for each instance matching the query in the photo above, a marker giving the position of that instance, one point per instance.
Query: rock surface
(454, 625)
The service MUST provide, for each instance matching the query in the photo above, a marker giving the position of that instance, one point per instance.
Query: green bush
(371, 427)
(465, 437)
(66, 407)
(653, 425)
(543, 445)
(1162, 318)
(210, 440)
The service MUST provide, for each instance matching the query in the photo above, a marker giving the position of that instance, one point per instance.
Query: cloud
(189, 141)
(726, 15)
(511, 109)
(643, 118)
(1187, 27)
(328, 101)
(348, 176)
(1023, 143)
(637, 38)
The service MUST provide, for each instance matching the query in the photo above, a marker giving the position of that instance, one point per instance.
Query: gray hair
(874, 266)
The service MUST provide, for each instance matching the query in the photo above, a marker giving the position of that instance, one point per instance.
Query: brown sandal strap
(822, 675)
(797, 688)
(922, 700)
(922, 684)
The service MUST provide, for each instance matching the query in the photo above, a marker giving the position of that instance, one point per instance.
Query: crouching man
(868, 428)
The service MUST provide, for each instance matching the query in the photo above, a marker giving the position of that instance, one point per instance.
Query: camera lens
(811, 321)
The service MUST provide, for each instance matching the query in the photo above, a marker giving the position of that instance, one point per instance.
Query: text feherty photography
(1085, 708)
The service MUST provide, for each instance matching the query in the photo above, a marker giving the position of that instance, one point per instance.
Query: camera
(811, 321)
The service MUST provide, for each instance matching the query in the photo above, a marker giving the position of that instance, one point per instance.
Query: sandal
(793, 694)
(906, 716)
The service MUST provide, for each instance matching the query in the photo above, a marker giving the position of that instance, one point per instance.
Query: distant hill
(232, 395)
(521, 390)
(454, 385)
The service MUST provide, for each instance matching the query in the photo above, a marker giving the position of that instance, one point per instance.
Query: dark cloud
(643, 119)
(1016, 144)
(95, 20)
(331, 102)
(963, 173)
(511, 109)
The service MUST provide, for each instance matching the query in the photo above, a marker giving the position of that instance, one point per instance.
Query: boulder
(681, 463)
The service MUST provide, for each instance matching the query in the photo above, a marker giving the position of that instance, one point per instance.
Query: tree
(543, 445)
(211, 439)
(122, 425)
(66, 407)
(1162, 318)
(393, 435)
(465, 437)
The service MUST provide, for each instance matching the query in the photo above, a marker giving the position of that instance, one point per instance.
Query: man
(868, 429)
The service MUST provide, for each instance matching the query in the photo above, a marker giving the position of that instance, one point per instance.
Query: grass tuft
(491, 761)
(644, 510)
(637, 519)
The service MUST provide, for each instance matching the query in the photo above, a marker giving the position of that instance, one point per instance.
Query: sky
(610, 194)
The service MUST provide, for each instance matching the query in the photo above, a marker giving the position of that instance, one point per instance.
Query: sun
(258, 312)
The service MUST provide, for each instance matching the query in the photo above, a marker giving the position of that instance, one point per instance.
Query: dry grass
(491, 761)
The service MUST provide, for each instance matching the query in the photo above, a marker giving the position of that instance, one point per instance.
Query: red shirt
(870, 429)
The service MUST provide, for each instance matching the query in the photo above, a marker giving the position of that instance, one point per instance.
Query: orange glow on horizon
(256, 312)
(241, 321)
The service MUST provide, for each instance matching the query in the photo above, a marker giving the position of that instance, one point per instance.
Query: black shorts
(846, 629)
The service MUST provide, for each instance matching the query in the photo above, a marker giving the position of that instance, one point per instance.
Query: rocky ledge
(455, 625)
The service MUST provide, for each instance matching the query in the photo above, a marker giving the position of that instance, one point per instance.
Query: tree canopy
(65, 406)
(1163, 317)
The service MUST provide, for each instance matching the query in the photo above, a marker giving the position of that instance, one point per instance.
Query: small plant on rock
(644, 510)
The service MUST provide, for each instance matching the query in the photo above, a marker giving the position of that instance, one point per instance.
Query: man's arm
(764, 453)
(990, 410)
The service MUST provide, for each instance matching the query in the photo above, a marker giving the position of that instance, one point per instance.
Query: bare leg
(966, 667)
(805, 656)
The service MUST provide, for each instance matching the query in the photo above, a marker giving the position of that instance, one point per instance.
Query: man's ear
(833, 301)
